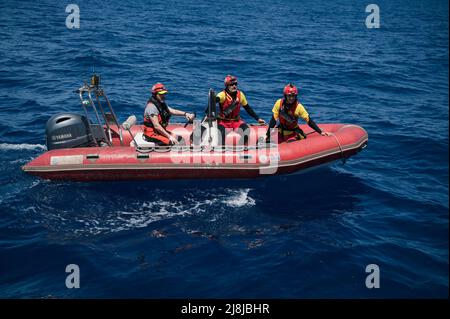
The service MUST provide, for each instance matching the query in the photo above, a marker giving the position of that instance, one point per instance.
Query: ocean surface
(301, 236)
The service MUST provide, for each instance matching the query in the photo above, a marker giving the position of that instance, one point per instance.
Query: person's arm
(251, 112)
(187, 115)
(273, 120)
(304, 114)
(272, 124)
(176, 112)
(314, 126)
(220, 97)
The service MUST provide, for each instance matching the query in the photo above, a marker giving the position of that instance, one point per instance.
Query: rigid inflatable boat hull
(117, 162)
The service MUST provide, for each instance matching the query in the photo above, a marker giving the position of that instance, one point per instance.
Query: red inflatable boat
(111, 152)
(129, 163)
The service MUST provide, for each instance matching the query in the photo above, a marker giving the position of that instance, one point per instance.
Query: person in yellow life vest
(230, 101)
(287, 111)
(157, 115)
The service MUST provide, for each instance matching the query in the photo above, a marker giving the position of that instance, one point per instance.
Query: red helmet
(229, 79)
(290, 89)
(159, 88)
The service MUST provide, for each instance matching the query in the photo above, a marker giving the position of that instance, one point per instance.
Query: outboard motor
(68, 130)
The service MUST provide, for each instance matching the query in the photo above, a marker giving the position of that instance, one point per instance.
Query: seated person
(230, 101)
(156, 118)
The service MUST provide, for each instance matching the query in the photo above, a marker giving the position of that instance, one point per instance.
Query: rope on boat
(340, 147)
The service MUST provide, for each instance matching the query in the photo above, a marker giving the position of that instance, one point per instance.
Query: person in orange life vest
(230, 101)
(287, 111)
(157, 115)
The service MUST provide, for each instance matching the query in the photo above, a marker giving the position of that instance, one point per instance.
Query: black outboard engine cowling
(68, 130)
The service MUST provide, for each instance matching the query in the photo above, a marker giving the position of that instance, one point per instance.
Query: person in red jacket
(287, 111)
(230, 101)
(157, 115)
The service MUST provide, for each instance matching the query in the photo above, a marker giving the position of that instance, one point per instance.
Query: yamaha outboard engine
(68, 130)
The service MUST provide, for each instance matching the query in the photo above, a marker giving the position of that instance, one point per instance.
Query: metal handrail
(99, 92)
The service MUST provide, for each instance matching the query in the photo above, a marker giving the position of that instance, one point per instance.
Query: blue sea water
(300, 236)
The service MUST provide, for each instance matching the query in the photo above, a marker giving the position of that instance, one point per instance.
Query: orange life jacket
(163, 117)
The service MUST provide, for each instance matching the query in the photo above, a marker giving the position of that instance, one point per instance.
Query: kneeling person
(287, 111)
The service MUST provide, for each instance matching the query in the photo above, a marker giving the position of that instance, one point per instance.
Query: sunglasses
(233, 84)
